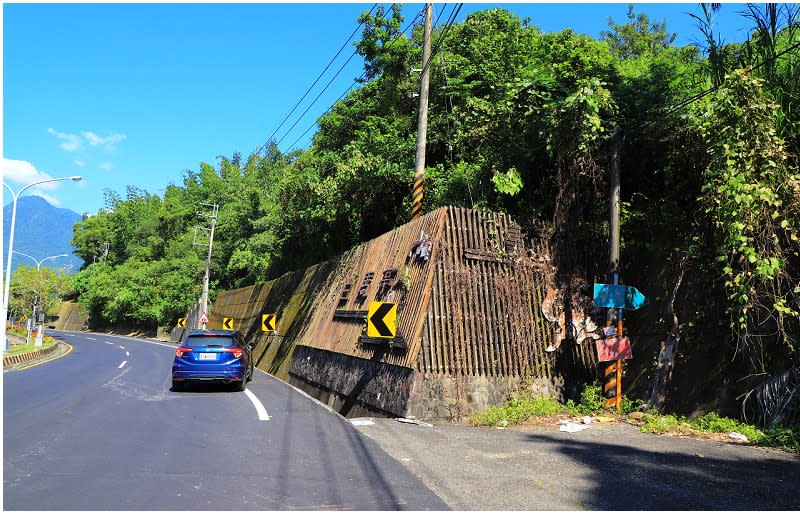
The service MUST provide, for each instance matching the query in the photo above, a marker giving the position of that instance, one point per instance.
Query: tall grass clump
(517, 410)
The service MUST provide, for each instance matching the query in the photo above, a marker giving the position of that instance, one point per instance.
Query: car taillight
(180, 351)
(237, 352)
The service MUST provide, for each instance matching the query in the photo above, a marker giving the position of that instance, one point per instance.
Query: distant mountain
(41, 231)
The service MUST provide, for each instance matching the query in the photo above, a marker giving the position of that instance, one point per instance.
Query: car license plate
(207, 356)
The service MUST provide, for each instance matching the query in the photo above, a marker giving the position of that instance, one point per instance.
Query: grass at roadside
(786, 438)
(25, 348)
(521, 409)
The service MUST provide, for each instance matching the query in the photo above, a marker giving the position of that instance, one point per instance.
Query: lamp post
(39, 262)
(7, 285)
(40, 333)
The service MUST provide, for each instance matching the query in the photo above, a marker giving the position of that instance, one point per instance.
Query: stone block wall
(436, 396)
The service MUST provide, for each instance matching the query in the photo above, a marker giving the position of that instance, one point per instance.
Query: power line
(712, 89)
(314, 84)
(453, 14)
(356, 81)
(317, 98)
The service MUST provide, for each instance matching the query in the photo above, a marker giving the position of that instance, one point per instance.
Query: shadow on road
(659, 478)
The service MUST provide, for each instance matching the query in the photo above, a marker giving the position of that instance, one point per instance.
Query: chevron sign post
(382, 320)
(268, 322)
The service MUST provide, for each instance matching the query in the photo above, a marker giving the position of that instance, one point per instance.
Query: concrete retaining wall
(70, 318)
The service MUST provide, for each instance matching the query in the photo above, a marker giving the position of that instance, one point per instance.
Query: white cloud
(72, 142)
(105, 166)
(52, 200)
(79, 163)
(109, 141)
(75, 142)
(23, 172)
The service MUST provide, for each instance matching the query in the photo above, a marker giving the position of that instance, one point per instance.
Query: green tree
(36, 287)
(639, 37)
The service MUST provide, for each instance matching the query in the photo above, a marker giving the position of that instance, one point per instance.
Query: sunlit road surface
(100, 429)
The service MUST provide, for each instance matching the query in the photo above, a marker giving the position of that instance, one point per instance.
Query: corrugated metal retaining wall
(468, 295)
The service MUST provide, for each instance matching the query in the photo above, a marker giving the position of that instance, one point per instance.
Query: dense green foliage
(522, 122)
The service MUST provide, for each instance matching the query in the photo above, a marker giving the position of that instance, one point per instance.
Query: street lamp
(7, 289)
(39, 262)
(40, 333)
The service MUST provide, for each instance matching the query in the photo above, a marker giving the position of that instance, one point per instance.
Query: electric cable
(453, 14)
(710, 90)
(286, 118)
(356, 81)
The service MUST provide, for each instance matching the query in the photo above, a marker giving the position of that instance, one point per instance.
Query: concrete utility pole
(613, 388)
(213, 217)
(422, 121)
(613, 236)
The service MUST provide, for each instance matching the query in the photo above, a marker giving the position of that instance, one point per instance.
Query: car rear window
(209, 341)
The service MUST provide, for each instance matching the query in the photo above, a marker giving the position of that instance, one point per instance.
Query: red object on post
(613, 348)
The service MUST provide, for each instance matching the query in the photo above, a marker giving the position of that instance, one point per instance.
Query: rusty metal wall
(484, 317)
(349, 292)
(473, 307)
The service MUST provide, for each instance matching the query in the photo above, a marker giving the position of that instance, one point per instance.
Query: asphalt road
(605, 467)
(86, 432)
(100, 429)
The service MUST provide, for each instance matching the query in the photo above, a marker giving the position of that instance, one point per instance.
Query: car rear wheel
(241, 385)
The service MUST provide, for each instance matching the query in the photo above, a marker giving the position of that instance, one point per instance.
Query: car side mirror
(252, 345)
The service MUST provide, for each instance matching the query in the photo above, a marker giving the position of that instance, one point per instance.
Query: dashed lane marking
(121, 365)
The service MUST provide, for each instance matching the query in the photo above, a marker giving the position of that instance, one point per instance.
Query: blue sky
(134, 94)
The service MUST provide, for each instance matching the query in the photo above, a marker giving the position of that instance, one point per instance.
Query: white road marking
(121, 347)
(121, 365)
(148, 341)
(362, 422)
(127, 354)
(262, 412)
(109, 342)
(91, 339)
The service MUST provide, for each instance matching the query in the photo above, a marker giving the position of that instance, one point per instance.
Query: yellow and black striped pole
(416, 198)
(612, 386)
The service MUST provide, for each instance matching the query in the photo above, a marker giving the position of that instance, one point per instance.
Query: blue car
(213, 356)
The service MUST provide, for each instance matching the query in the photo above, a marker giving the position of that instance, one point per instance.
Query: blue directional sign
(618, 297)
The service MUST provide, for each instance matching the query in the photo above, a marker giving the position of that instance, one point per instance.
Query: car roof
(212, 333)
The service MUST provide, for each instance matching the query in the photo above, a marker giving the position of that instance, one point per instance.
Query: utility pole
(422, 121)
(210, 231)
(613, 386)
